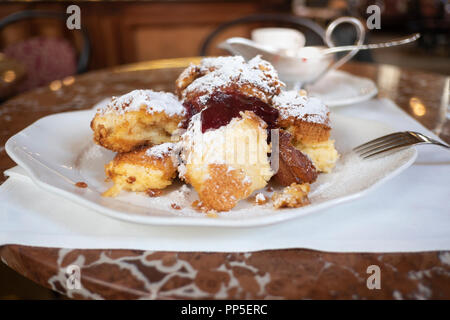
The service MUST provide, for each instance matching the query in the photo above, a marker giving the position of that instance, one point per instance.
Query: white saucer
(338, 88)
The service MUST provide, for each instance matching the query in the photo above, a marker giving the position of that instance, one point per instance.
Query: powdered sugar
(222, 72)
(349, 167)
(247, 180)
(161, 150)
(187, 72)
(293, 105)
(152, 101)
(94, 152)
(182, 195)
(209, 144)
(198, 147)
(211, 64)
(260, 197)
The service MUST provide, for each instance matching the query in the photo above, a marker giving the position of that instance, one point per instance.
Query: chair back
(83, 58)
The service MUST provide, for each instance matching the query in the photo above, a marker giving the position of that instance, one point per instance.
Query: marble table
(285, 274)
(12, 73)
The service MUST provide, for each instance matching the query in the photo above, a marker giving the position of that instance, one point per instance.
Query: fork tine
(389, 148)
(394, 143)
(380, 143)
(381, 139)
(398, 141)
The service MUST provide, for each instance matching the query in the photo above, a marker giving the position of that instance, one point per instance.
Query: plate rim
(179, 221)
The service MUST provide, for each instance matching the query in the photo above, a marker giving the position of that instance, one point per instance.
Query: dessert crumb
(175, 206)
(197, 205)
(212, 214)
(293, 196)
(260, 199)
(81, 184)
(153, 192)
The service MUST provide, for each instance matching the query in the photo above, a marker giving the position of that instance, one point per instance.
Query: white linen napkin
(408, 213)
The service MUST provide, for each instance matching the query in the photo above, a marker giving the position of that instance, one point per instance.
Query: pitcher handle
(329, 31)
(360, 36)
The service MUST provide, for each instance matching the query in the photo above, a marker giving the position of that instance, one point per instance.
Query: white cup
(284, 40)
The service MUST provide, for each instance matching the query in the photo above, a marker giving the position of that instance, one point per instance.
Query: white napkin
(408, 213)
(386, 111)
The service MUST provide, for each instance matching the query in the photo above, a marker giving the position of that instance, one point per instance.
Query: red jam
(191, 108)
(223, 107)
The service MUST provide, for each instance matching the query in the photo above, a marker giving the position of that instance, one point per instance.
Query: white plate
(338, 88)
(57, 151)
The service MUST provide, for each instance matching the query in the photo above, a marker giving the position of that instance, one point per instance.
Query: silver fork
(394, 141)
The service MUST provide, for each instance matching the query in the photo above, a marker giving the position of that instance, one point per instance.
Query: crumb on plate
(293, 196)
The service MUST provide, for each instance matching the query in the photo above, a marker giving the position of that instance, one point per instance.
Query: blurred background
(36, 47)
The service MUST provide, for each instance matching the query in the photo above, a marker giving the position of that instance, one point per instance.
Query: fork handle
(392, 43)
(440, 144)
(428, 140)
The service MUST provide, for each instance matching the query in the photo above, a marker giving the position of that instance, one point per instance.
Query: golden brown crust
(139, 157)
(224, 188)
(124, 132)
(306, 132)
(186, 78)
(306, 118)
(137, 171)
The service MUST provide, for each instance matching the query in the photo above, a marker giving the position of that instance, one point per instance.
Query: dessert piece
(196, 84)
(307, 119)
(293, 165)
(144, 169)
(323, 154)
(225, 161)
(141, 117)
(293, 196)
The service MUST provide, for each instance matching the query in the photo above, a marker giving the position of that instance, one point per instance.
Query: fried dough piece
(143, 169)
(306, 118)
(141, 117)
(227, 164)
(256, 78)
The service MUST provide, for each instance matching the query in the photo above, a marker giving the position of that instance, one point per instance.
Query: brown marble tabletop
(12, 73)
(285, 274)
